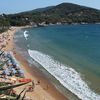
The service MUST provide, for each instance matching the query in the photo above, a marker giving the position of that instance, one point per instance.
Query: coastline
(44, 90)
(46, 63)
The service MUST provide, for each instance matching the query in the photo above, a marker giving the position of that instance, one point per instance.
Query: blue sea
(70, 53)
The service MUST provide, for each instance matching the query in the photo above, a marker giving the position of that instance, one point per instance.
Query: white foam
(25, 34)
(67, 76)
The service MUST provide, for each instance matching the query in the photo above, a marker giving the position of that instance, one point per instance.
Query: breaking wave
(67, 76)
(25, 34)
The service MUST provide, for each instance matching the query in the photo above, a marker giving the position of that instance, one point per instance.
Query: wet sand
(43, 90)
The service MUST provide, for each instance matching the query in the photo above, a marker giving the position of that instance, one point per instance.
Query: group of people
(10, 69)
(9, 66)
(4, 37)
(11, 72)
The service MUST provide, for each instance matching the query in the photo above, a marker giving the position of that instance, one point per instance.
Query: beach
(54, 52)
(43, 89)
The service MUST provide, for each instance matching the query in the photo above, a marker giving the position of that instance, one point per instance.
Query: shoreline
(82, 84)
(45, 90)
(36, 75)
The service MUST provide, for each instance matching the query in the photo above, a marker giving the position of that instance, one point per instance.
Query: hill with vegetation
(62, 13)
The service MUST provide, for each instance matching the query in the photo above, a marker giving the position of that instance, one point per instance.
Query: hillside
(64, 13)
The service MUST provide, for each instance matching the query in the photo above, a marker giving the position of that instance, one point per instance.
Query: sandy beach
(43, 90)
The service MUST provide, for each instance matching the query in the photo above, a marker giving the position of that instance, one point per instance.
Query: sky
(15, 6)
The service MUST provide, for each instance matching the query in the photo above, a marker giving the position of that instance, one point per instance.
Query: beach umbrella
(17, 68)
(9, 56)
(5, 53)
(9, 63)
(21, 71)
(14, 63)
(6, 72)
(17, 65)
(10, 68)
(13, 71)
(12, 60)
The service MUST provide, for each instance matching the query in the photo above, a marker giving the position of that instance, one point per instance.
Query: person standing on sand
(47, 87)
(31, 87)
(38, 82)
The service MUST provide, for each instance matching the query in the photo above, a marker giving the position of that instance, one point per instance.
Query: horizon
(12, 7)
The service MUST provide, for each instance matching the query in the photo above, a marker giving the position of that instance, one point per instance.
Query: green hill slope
(64, 13)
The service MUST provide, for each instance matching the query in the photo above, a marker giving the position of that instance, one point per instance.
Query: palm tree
(24, 95)
(4, 88)
(18, 97)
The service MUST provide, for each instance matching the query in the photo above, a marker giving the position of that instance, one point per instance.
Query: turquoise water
(77, 46)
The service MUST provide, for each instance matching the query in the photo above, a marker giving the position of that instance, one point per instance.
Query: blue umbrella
(13, 71)
(6, 72)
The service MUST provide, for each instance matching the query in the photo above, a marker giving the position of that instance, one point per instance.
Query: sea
(69, 55)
